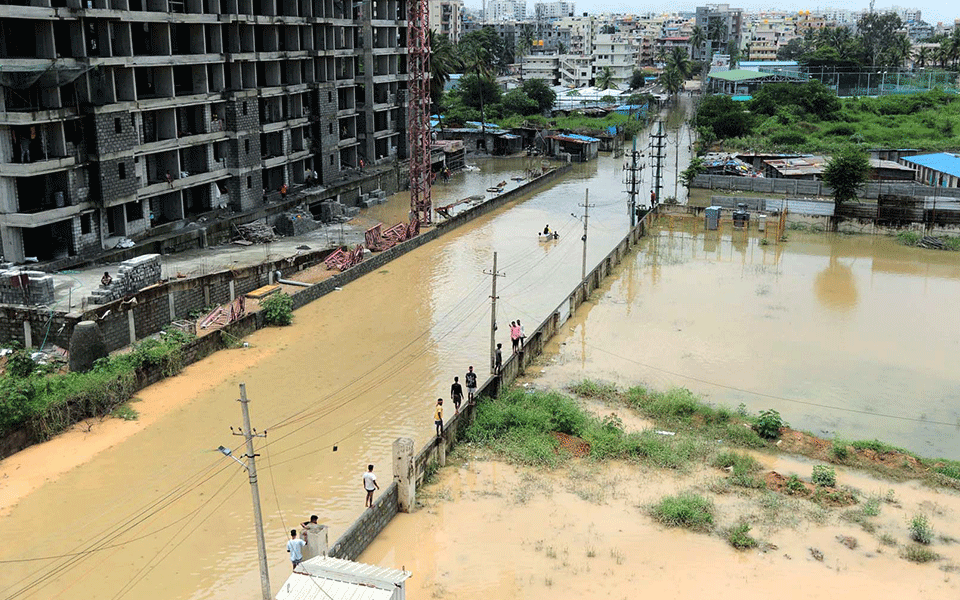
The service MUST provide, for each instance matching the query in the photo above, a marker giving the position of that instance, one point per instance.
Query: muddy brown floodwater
(359, 368)
(488, 529)
(855, 336)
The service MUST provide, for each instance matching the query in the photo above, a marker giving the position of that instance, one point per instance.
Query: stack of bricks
(134, 275)
(27, 288)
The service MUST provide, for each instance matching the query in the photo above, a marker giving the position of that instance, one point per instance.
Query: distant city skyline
(933, 11)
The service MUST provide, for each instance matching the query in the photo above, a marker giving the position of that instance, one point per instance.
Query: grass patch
(587, 388)
(688, 510)
(909, 238)
(875, 445)
(739, 537)
(919, 554)
(920, 530)
(840, 450)
(48, 403)
(950, 470)
(125, 412)
(743, 469)
(887, 540)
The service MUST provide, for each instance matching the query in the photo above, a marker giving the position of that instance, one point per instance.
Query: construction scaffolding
(418, 130)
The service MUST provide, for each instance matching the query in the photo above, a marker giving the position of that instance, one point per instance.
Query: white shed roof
(324, 578)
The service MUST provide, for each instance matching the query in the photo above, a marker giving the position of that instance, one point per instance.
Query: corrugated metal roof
(325, 578)
(740, 75)
(942, 161)
(573, 137)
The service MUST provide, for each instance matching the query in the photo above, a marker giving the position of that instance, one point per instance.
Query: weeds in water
(739, 537)
(547, 580)
(920, 530)
(742, 467)
(125, 412)
(687, 510)
(277, 309)
(823, 476)
(909, 238)
(919, 554)
(587, 388)
(551, 552)
(591, 552)
(616, 555)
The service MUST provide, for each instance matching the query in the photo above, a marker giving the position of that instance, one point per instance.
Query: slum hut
(573, 147)
(506, 144)
(941, 169)
(322, 578)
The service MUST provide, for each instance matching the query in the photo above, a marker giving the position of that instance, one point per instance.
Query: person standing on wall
(370, 485)
(523, 334)
(438, 416)
(456, 393)
(514, 335)
(295, 548)
(498, 362)
(471, 381)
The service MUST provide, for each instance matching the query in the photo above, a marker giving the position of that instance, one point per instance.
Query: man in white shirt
(370, 484)
(295, 548)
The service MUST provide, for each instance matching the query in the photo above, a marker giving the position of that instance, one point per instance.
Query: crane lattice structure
(418, 108)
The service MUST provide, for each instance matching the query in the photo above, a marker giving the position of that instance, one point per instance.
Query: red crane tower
(418, 108)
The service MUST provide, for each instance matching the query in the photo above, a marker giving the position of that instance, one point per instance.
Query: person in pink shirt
(515, 335)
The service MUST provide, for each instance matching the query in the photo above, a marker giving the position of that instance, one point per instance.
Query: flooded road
(121, 509)
(853, 336)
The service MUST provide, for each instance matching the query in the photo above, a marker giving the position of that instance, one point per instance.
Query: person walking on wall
(438, 416)
(295, 548)
(471, 381)
(456, 393)
(498, 361)
(370, 485)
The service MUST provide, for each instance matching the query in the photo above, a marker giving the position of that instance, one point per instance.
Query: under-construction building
(121, 118)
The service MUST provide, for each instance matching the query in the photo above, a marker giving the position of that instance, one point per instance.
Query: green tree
(608, 29)
(604, 79)
(877, 32)
(679, 60)
(695, 168)
(698, 38)
(672, 80)
(724, 117)
(443, 62)
(518, 103)
(539, 92)
(810, 98)
(792, 50)
(846, 173)
(477, 60)
(637, 80)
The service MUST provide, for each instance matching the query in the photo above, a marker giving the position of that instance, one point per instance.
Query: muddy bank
(519, 532)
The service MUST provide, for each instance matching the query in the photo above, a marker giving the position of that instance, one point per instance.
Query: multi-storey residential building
(726, 22)
(576, 70)
(582, 31)
(541, 66)
(765, 39)
(446, 17)
(665, 46)
(506, 10)
(617, 53)
(120, 116)
(546, 11)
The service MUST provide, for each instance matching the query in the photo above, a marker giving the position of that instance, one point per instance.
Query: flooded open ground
(488, 529)
(832, 331)
(359, 368)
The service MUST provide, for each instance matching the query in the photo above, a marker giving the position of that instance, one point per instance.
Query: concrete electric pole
(633, 181)
(586, 218)
(493, 313)
(251, 467)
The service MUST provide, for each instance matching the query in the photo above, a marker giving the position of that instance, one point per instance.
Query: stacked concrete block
(296, 222)
(27, 288)
(134, 275)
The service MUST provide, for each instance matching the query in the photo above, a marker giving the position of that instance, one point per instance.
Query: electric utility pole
(658, 146)
(633, 181)
(493, 313)
(251, 467)
(586, 218)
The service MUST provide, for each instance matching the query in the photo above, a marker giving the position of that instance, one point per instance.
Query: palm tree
(679, 61)
(476, 59)
(697, 38)
(714, 33)
(661, 55)
(921, 57)
(604, 80)
(734, 51)
(443, 62)
(672, 80)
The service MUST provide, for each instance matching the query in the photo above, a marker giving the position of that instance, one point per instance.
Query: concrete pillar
(131, 326)
(27, 335)
(233, 293)
(315, 536)
(404, 473)
(442, 451)
(87, 346)
(173, 307)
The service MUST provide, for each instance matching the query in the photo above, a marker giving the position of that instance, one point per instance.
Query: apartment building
(499, 11)
(726, 21)
(582, 31)
(446, 17)
(546, 11)
(618, 53)
(123, 118)
(545, 67)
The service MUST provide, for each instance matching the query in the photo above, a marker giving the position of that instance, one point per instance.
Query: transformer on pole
(418, 109)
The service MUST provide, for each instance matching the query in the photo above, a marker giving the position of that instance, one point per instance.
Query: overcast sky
(933, 10)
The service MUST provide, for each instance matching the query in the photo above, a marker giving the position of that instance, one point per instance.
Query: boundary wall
(809, 187)
(432, 455)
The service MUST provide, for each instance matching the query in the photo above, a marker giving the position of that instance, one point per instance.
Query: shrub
(824, 476)
(740, 462)
(788, 138)
(587, 388)
(843, 130)
(919, 554)
(687, 510)
(920, 530)
(768, 424)
(277, 309)
(20, 364)
(739, 537)
(949, 470)
(840, 451)
(909, 238)
(795, 486)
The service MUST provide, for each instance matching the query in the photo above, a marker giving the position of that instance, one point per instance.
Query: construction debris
(263, 292)
(344, 259)
(378, 240)
(224, 315)
(444, 211)
(931, 243)
(296, 222)
(257, 232)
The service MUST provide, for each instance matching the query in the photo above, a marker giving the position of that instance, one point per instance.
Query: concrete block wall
(245, 187)
(134, 275)
(329, 155)
(365, 529)
(38, 289)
